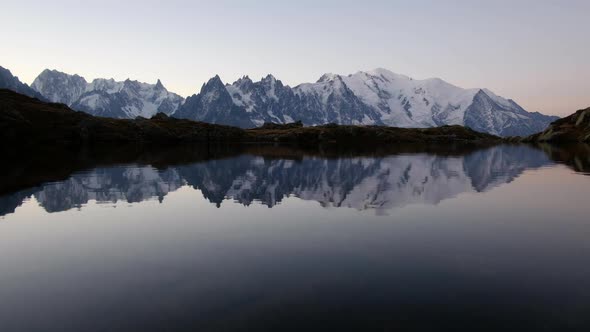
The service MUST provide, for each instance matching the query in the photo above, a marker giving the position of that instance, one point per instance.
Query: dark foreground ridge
(26, 120)
(573, 128)
(29, 120)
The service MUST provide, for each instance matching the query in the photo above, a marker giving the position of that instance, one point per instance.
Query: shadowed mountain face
(362, 182)
(10, 82)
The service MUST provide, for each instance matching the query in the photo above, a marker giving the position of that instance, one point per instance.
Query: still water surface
(494, 238)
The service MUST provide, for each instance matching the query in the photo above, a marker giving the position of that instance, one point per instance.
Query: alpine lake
(277, 238)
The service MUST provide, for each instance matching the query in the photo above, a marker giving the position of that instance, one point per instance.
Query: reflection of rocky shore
(372, 181)
(576, 156)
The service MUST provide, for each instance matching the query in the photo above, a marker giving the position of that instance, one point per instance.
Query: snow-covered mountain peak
(270, 85)
(244, 83)
(107, 97)
(498, 99)
(134, 86)
(248, 94)
(109, 86)
(60, 87)
(57, 73)
(328, 77)
(382, 73)
(159, 85)
(269, 78)
(213, 83)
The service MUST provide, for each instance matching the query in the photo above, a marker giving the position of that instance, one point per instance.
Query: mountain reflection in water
(205, 254)
(267, 175)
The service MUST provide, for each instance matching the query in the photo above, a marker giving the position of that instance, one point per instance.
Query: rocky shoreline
(573, 128)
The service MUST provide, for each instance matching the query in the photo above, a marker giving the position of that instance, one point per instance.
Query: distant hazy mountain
(11, 82)
(107, 97)
(377, 97)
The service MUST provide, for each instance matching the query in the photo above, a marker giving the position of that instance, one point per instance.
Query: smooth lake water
(272, 239)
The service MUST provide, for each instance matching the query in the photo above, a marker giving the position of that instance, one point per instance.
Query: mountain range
(107, 97)
(377, 97)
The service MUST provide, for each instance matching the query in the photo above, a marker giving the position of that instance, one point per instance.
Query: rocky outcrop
(574, 128)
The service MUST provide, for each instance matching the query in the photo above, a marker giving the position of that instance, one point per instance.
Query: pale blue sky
(536, 52)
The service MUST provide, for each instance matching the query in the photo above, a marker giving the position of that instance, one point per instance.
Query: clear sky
(536, 52)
